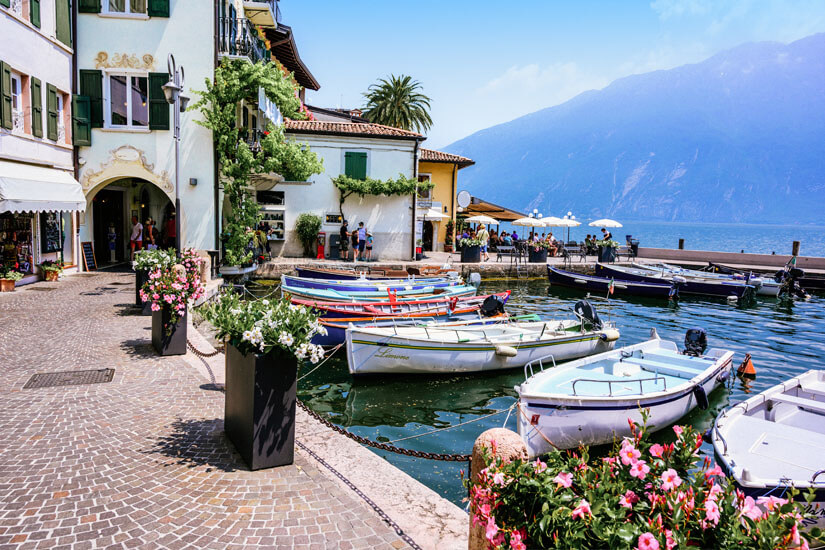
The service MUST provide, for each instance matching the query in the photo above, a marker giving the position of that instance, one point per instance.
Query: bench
(625, 251)
(801, 402)
(507, 251)
(663, 368)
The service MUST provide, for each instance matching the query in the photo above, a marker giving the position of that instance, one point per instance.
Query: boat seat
(663, 368)
(809, 404)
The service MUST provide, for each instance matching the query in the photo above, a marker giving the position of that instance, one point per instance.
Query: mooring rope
(507, 410)
(319, 365)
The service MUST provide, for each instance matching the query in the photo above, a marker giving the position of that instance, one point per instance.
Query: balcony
(265, 13)
(238, 38)
(252, 138)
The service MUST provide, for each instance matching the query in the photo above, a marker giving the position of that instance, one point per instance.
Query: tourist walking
(136, 239)
(484, 237)
(343, 242)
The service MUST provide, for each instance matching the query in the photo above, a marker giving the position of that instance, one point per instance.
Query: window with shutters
(37, 107)
(17, 102)
(124, 6)
(127, 101)
(355, 164)
(62, 21)
(425, 194)
(61, 123)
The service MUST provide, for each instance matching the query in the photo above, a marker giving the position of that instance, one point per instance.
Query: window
(125, 6)
(355, 165)
(128, 101)
(424, 194)
(61, 125)
(16, 101)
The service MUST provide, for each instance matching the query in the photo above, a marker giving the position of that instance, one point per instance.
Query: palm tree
(397, 102)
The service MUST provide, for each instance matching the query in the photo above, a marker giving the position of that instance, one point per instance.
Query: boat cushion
(663, 368)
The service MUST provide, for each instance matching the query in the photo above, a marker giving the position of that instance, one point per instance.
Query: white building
(39, 197)
(349, 145)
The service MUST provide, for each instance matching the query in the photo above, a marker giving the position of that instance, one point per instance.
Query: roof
(363, 129)
(501, 213)
(430, 155)
(282, 44)
(325, 114)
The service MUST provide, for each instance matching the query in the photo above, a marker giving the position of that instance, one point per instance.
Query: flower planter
(51, 275)
(141, 276)
(471, 254)
(537, 257)
(7, 285)
(607, 254)
(259, 416)
(166, 340)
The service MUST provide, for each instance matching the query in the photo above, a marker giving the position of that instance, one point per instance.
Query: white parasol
(604, 222)
(481, 218)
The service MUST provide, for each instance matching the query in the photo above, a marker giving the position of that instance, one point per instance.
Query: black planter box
(141, 277)
(539, 257)
(259, 416)
(168, 342)
(607, 254)
(471, 254)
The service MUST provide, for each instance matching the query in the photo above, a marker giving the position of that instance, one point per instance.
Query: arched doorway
(113, 209)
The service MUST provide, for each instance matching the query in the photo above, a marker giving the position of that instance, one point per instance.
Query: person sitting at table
(514, 236)
(506, 239)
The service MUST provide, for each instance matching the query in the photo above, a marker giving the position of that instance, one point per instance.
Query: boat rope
(507, 410)
(547, 439)
(383, 446)
(508, 415)
(319, 365)
(255, 297)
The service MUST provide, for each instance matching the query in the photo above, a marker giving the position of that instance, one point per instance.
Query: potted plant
(448, 237)
(307, 227)
(470, 251)
(419, 250)
(265, 341)
(51, 269)
(146, 261)
(8, 279)
(169, 289)
(537, 252)
(607, 250)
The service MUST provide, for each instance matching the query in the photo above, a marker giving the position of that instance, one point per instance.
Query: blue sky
(483, 63)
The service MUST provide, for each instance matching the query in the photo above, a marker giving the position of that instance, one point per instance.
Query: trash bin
(634, 247)
(335, 246)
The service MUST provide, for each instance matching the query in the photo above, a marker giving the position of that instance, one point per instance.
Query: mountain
(739, 137)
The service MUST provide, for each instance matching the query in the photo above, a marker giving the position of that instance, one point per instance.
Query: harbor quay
(141, 461)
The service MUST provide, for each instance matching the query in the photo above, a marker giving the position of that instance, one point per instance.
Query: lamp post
(172, 90)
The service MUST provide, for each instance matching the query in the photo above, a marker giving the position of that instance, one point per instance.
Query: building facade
(39, 197)
(437, 206)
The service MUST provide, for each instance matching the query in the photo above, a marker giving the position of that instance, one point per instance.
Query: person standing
(484, 237)
(136, 239)
(343, 242)
(362, 240)
(171, 232)
(369, 246)
(354, 240)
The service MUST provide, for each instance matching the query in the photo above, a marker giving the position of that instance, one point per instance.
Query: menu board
(89, 256)
(51, 236)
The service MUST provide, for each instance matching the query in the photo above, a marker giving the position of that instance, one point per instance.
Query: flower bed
(645, 496)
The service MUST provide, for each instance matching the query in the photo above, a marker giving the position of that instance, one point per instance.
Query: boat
(764, 286)
(372, 273)
(355, 285)
(809, 281)
(422, 293)
(687, 285)
(589, 401)
(776, 440)
(601, 285)
(336, 317)
(463, 347)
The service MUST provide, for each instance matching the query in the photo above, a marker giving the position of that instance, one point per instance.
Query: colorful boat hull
(359, 285)
(688, 286)
(600, 285)
(378, 296)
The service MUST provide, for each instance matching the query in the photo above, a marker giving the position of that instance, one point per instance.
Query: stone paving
(140, 462)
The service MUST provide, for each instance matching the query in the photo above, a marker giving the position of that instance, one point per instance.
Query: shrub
(643, 496)
(307, 226)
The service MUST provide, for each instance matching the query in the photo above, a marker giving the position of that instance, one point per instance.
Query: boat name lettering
(386, 353)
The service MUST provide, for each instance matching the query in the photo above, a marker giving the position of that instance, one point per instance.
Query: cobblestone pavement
(140, 462)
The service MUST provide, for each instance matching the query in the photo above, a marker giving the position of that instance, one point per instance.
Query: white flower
(285, 339)
(265, 302)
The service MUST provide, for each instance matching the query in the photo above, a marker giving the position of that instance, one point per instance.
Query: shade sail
(28, 188)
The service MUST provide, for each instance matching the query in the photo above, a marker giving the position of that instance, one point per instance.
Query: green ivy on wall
(401, 185)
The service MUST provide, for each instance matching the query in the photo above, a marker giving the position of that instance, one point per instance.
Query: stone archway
(124, 162)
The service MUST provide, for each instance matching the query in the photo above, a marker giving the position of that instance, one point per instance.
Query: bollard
(795, 249)
(508, 446)
(681, 244)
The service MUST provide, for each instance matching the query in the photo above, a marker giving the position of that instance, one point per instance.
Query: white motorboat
(467, 347)
(589, 401)
(776, 440)
(765, 286)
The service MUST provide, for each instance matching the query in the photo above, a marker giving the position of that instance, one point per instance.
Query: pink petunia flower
(639, 469)
(714, 491)
(564, 479)
(629, 455)
(628, 499)
(498, 478)
(750, 510)
(670, 479)
(712, 512)
(647, 542)
(678, 430)
(539, 466)
(516, 541)
(583, 509)
(656, 450)
(670, 542)
(715, 471)
(491, 530)
(155, 307)
(771, 502)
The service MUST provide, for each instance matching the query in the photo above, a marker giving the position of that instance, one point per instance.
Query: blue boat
(362, 272)
(359, 285)
(329, 295)
(701, 287)
(600, 285)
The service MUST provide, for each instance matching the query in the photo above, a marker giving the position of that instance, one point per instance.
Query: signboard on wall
(51, 234)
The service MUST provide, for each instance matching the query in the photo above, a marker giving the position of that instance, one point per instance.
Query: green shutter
(5, 96)
(37, 108)
(355, 165)
(63, 16)
(34, 12)
(91, 85)
(5, 3)
(51, 108)
(158, 8)
(81, 121)
(89, 6)
(158, 108)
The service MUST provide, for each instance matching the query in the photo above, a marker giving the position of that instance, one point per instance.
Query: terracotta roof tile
(429, 155)
(353, 128)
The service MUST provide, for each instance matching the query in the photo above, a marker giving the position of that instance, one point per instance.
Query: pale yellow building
(437, 206)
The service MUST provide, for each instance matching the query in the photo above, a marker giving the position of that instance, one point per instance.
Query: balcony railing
(238, 37)
(252, 138)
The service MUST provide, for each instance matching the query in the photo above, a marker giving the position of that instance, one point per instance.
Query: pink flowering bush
(171, 287)
(642, 496)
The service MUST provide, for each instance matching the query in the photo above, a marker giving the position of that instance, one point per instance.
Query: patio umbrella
(529, 222)
(481, 218)
(604, 222)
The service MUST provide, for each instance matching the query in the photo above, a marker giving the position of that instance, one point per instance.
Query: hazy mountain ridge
(737, 137)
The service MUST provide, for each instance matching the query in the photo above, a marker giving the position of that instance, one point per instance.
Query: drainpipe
(75, 152)
(415, 195)
(452, 202)
(215, 170)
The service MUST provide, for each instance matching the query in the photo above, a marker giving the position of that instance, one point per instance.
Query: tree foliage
(401, 185)
(307, 227)
(398, 102)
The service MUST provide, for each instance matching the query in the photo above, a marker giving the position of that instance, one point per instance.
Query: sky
(483, 63)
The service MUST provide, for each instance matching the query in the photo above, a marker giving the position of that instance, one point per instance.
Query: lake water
(722, 237)
(784, 339)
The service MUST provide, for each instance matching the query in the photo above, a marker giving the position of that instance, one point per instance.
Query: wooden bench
(801, 402)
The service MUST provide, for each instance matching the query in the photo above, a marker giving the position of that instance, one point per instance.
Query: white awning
(434, 214)
(28, 188)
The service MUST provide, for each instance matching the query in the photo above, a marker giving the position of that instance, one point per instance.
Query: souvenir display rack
(17, 242)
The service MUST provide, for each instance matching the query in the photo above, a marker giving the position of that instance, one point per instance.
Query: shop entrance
(427, 237)
(109, 238)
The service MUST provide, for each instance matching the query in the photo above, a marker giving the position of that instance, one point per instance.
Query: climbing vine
(401, 185)
(238, 80)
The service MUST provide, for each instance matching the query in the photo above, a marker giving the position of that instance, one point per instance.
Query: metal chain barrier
(383, 446)
(199, 353)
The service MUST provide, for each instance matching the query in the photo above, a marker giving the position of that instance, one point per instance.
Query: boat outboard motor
(675, 284)
(790, 282)
(696, 341)
(492, 306)
(587, 312)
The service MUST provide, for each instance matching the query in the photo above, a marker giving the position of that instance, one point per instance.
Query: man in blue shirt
(362, 240)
